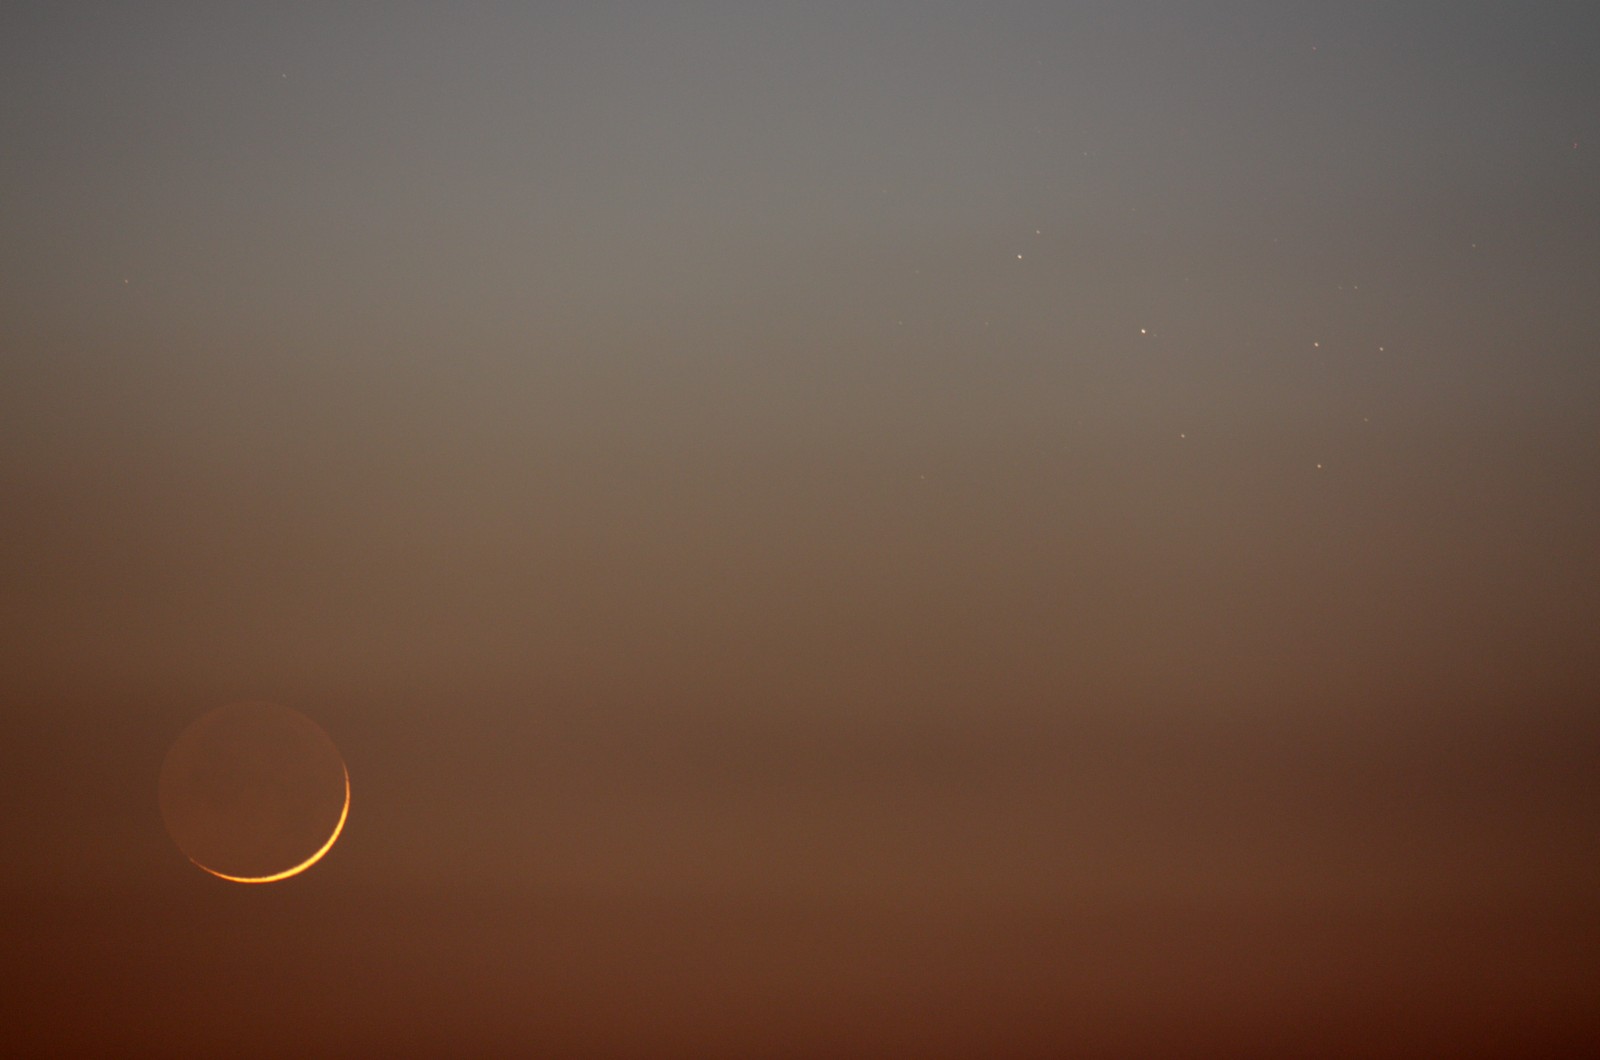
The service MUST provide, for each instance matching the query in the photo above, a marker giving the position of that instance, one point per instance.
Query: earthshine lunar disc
(254, 792)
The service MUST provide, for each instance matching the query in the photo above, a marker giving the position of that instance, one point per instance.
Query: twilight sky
(870, 529)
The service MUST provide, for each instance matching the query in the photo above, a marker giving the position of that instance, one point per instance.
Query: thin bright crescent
(304, 865)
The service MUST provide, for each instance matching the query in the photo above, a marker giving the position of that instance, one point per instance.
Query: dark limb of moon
(254, 792)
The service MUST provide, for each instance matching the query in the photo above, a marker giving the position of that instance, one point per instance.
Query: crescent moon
(304, 865)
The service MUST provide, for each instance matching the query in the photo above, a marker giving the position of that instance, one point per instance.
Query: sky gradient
(869, 529)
